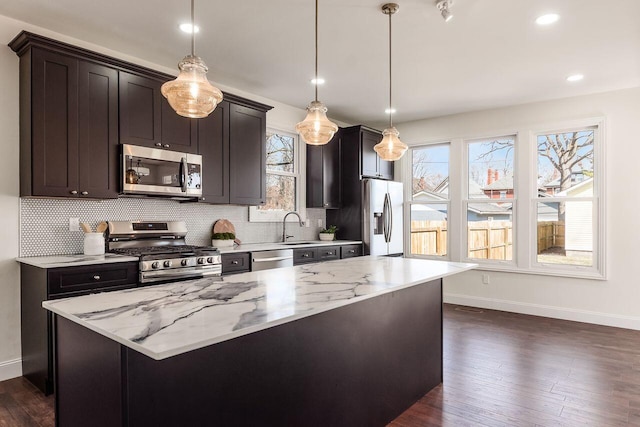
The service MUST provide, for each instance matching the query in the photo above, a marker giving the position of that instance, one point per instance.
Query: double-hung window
(429, 202)
(490, 198)
(283, 177)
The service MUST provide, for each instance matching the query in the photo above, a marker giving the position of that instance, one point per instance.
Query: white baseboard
(606, 319)
(10, 369)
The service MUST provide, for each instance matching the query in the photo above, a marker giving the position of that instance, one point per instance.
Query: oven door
(160, 172)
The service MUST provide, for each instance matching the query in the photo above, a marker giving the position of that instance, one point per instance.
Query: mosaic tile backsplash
(44, 223)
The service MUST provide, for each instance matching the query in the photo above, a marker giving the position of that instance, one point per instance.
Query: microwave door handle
(183, 174)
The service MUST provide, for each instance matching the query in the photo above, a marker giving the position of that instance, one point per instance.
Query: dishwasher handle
(277, 258)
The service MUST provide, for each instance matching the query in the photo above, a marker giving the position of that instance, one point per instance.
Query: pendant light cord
(316, 51)
(390, 80)
(193, 29)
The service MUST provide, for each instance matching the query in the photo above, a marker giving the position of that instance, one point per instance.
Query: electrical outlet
(485, 279)
(307, 222)
(74, 224)
(320, 223)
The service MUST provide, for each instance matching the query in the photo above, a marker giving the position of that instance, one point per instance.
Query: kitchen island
(346, 342)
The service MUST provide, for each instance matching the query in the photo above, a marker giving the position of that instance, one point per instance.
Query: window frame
(409, 202)
(466, 200)
(299, 169)
(525, 199)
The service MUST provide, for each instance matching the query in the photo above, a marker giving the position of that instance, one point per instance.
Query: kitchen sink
(299, 243)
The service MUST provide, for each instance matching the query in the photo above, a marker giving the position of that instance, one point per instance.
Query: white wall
(282, 117)
(615, 301)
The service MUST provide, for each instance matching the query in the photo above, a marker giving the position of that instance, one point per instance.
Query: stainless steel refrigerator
(382, 203)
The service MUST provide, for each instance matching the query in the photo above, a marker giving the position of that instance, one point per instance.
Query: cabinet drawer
(350, 251)
(303, 256)
(69, 281)
(327, 253)
(236, 263)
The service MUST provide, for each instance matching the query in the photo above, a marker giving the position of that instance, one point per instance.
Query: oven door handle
(191, 274)
(183, 174)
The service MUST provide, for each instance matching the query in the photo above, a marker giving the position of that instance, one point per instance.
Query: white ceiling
(490, 54)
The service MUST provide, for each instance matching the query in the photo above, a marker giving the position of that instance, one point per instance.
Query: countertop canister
(93, 243)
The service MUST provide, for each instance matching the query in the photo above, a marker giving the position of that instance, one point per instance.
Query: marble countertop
(55, 261)
(161, 321)
(255, 247)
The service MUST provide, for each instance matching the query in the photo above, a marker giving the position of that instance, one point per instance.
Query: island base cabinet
(361, 364)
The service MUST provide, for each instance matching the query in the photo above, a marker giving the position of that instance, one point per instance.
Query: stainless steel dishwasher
(265, 260)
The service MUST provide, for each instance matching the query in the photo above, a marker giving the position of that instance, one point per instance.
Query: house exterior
(579, 218)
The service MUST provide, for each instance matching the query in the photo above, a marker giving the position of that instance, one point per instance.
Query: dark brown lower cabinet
(40, 284)
(361, 364)
(236, 263)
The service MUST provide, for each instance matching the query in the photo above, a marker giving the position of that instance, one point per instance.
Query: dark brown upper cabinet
(364, 139)
(68, 124)
(213, 146)
(247, 156)
(147, 119)
(323, 174)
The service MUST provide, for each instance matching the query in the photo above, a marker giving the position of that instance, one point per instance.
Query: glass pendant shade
(316, 128)
(191, 94)
(390, 148)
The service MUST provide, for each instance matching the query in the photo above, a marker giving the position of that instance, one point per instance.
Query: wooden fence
(550, 235)
(486, 239)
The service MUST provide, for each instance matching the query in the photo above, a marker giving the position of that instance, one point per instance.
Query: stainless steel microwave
(154, 171)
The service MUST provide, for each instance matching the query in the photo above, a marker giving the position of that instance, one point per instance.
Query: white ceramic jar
(93, 243)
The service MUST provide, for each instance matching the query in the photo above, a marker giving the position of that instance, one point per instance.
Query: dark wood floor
(500, 369)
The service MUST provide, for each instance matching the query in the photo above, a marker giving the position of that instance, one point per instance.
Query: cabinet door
(98, 131)
(177, 133)
(140, 110)
(247, 157)
(323, 174)
(54, 124)
(385, 169)
(369, 156)
(213, 146)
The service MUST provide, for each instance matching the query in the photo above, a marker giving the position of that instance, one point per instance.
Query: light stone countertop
(161, 321)
(255, 247)
(55, 261)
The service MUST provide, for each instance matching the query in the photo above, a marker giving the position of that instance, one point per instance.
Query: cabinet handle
(158, 144)
(202, 198)
(96, 277)
(85, 193)
(74, 192)
(234, 262)
(305, 255)
(326, 204)
(329, 253)
(352, 251)
(166, 145)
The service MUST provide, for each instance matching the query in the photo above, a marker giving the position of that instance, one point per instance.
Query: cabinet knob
(85, 193)
(326, 204)
(158, 144)
(234, 262)
(305, 255)
(202, 198)
(166, 146)
(73, 192)
(329, 253)
(96, 277)
(352, 251)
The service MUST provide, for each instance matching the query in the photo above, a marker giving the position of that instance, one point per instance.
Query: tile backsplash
(44, 223)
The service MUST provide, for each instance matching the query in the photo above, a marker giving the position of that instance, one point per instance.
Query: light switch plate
(74, 224)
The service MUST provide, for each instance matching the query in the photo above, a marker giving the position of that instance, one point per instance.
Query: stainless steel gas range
(162, 250)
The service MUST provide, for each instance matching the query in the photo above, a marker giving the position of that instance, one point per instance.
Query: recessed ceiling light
(318, 81)
(390, 111)
(575, 78)
(548, 19)
(186, 28)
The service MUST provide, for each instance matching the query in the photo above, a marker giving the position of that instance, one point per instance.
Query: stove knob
(155, 264)
(167, 263)
(210, 260)
(184, 262)
(201, 260)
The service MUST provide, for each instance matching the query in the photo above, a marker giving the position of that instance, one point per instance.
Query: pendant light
(390, 148)
(191, 94)
(316, 128)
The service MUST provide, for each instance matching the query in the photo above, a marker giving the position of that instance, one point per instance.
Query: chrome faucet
(284, 225)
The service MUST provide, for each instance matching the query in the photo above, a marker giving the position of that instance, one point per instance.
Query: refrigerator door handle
(390, 214)
(385, 218)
